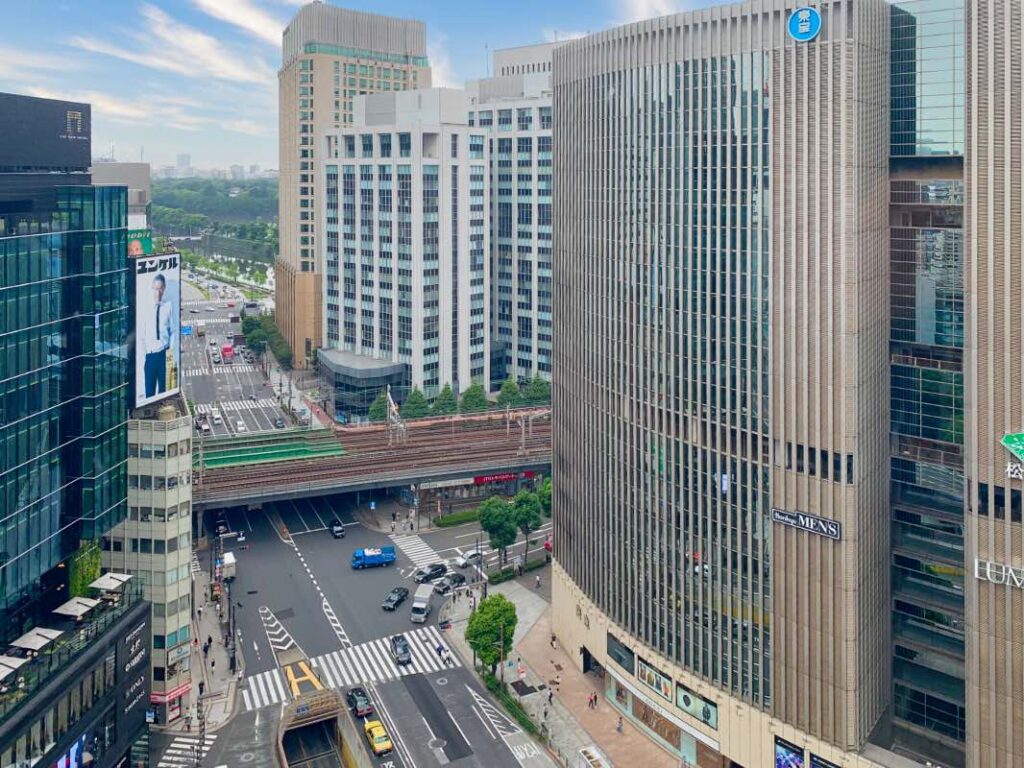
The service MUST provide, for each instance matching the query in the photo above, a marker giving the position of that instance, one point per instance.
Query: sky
(199, 77)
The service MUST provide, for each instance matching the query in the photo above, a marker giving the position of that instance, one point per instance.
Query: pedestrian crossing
(184, 750)
(416, 549)
(365, 663)
(243, 368)
(196, 372)
(247, 405)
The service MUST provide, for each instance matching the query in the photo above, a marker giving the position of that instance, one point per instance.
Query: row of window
(524, 118)
(147, 546)
(147, 451)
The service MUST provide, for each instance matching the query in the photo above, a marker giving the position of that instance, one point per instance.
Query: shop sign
(660, 683)
(504, 477)
(697, 706)
(821, 526)
(177, 654)
(135, 692)
(999, 573)
(804, 24)
(787, 754)
(696, 733)
(821, 762)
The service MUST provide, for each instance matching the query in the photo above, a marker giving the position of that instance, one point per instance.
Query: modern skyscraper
(329, 56)
(76, 676)
(514, 107)
(405, 220)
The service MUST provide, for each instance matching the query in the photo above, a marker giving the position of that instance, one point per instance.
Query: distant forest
(184, 206)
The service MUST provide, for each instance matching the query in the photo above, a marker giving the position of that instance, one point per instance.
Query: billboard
(44, 133)
(140, 242)
(157, 326)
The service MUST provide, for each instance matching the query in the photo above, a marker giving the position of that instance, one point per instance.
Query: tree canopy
(498, 521)
(491, 629)
(474, 399)
(526, 512)
(445, 403)
(379, 407)
(537, 392)
(544, 496)
(509, 396)
(415, 405)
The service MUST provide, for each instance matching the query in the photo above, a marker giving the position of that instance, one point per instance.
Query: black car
(337, 529)
(359, 702)
(400, 649)
(429, 573)
(279, 422)
(395, 598)
(449, 582)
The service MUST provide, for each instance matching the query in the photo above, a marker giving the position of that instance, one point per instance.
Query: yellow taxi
(378, 738)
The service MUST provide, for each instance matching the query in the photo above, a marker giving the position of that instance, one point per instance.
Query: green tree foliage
(509, 396)
(222, 200)
(526, 512)
(445, 403)
(175, 221)
(261, 332)
(415, 405)
(257, 341)
(379, 407)
(537, 392)
(474, 399)
(250, 324)
(544, 496)
(84, 568)
(491, 629)
(498, 521)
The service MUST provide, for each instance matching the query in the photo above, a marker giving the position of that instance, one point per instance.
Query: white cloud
(150, 111)
(245, 15)
(182, 50)
(18, 64)
(635, 10)
(248, 127)
(442, 75)
(557, 35)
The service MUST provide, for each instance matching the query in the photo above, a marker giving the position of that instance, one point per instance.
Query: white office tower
(514, 108)
(405, 209)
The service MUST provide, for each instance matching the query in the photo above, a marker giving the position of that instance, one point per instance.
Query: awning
(108, 582)
(8, 664)
(37, 639)
(77, 607)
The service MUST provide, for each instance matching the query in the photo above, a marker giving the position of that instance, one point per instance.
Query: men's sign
(822, 526)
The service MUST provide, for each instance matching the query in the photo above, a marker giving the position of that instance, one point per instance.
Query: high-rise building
(405, 210)
(237, 172)
(183, 166)
(330, 55)
(74, 673)
(514, 108)
(135, 176)
(774, 221)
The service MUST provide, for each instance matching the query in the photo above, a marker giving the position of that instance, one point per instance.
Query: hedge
(496, 687)
(507, 574)
(457, 518)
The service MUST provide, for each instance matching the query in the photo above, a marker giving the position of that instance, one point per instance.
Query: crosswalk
(247, 405)
(184, 750)
(196, 372)
(243, 368)
(416, 549)
(364, 663)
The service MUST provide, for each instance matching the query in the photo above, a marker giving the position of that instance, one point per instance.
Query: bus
(227, 352)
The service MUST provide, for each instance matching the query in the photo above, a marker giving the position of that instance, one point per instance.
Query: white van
(240, 426)
(217, 419)
(421, 603)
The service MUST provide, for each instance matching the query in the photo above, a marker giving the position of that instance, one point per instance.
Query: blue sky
(199, 76)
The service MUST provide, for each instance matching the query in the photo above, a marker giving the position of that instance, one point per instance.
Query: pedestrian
(199, 610)
(202, 687)
(394, 517)
(209, 640)
(213, 663)
(188, 724)
(440, 650)
(392, 526)
(618, 725)
(554, 643)
(558, 682)
(545, 713)
(218, 602)
(206, 650)
(551, 694)
(538, 581)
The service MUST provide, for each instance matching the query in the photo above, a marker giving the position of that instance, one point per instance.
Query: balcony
(26, 671)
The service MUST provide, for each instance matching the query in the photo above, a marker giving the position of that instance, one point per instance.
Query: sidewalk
(293, 396)
(380, 518)
(219, 684)
(561, 710)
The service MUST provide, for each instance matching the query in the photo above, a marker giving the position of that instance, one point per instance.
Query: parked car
(449, 582)
(279, 422)
(377, 737)
(395, 598)
(240, 426)
(359, 702)
(466, 559)
(429, 573)
(337, 529)
(400, 649)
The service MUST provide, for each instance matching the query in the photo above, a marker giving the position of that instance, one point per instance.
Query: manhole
(442, 681)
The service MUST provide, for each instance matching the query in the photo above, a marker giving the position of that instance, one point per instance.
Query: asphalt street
(235, 396)
(295, 586)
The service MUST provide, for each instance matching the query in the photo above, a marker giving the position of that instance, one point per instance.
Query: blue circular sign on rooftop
(804, 24)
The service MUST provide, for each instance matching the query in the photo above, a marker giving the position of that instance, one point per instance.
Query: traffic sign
(186, 330)
(1015, 444)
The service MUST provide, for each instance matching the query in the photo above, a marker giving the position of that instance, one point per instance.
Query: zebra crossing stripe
(416, 549)
(182, 750)
(364, 663)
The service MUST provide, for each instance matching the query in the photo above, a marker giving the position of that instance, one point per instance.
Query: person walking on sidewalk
(618, 725)
(538, 581)
(551, 694)
(199, 611)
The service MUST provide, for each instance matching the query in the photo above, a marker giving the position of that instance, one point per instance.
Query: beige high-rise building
(329, 56)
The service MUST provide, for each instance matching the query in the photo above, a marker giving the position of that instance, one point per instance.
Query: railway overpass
(372, 458)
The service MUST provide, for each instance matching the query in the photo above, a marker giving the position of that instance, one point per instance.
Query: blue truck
(373, 557)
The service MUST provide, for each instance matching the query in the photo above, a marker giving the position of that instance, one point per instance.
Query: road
(234, 396)
(295, 587)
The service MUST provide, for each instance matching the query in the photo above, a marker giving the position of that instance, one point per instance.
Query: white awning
(37, 639)
(109, 582)
(77, 606)
(8, 664)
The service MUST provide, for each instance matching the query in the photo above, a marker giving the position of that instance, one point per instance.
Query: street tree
(257, 341)
(474, 399)
(509, 396)
(526, 512)
(496, 518)
(544, 496)
(446, 403)
(491, 628)
(415, 405)
(379, 407)
(537, 392)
